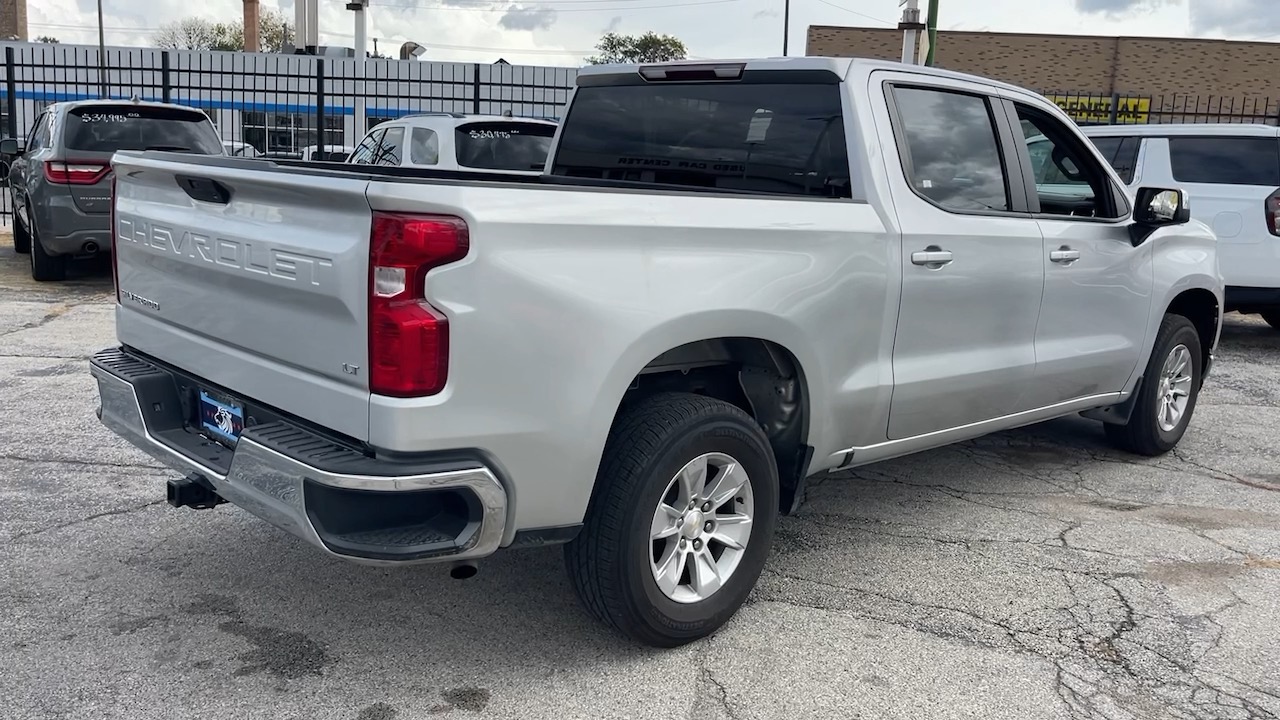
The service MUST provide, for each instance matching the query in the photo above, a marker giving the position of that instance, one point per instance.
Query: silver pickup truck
(730, 277)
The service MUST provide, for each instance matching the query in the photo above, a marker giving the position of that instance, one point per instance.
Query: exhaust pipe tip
(91, 248)
(463, 570)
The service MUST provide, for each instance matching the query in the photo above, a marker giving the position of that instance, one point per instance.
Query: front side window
(364, 152)
(1226, 160)
(390, 148)
(952, 155)
(766, 137)
(1069, 180)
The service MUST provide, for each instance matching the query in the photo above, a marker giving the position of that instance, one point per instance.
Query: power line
(557, 10)
(859, 14)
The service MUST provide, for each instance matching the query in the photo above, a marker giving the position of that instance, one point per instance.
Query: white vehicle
(446, 141)
(1232, 175)
(235, 148)
(330, 153)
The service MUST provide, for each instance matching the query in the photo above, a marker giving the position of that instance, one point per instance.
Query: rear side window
(952, 156)
(785, 138)
(1121, 153)
(1226, 160)
(424, 146)
(503, 146)
(108, 128)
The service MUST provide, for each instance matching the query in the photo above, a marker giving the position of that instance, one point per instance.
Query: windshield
(765, 137)
(108, 128)
(503, 145)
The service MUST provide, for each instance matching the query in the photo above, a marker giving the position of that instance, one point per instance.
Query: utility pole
(786, 25)
(102, 56)
(933, 31)
(911, 28)
(299, 25)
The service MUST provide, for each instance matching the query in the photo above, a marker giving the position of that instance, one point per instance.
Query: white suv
(1232, 176)
(446, 141)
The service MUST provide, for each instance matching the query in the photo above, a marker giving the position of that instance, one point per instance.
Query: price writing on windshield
(492, 134)
(106, 117)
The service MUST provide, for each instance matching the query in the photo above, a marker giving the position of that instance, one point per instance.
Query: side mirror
(10, 146)
(1156, 208)
(1161, 208)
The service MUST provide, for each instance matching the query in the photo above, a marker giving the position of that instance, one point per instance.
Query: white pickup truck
(732, 277)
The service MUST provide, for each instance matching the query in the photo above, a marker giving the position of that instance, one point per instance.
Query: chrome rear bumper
(363, 509)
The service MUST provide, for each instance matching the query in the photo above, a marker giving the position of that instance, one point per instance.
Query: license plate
(220, 417)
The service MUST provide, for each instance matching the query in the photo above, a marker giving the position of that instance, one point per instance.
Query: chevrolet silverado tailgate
(249, 276)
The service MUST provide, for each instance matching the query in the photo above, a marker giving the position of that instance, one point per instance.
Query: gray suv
(61, 180)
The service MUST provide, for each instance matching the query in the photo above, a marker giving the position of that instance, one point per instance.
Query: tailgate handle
(204, 189)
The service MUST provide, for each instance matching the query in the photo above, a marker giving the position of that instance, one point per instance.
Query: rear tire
(45, 267)
(1272, 317)
(1168, 393)
(21, 236)
(658, 569)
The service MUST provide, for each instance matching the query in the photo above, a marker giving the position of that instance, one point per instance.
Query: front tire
(681, 521)
(1168, 393)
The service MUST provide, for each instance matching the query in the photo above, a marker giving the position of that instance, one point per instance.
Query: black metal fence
(1104, 109)
(272, 103)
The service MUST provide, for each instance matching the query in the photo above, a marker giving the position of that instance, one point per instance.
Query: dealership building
(1154, 78)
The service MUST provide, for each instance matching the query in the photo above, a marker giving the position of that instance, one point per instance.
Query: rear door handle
(932, 257)
(1064, 255)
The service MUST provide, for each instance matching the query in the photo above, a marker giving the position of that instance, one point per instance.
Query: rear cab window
(108, 128)
(762, 136)
(1226, 160)
(503, 145)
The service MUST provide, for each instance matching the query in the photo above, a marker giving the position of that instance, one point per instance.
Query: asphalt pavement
(1026, 575)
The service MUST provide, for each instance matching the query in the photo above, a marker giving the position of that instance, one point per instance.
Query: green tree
(647, 48)
(47, 39)
(201, 34)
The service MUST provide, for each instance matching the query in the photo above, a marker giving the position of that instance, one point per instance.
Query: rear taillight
(115, 233)
(1273, 213)
(408, 338)
(75, 173)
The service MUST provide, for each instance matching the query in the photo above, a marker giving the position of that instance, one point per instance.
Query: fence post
(1115, 108)
(320, 143)
(11, 92)
(475, 89)
(166, 87)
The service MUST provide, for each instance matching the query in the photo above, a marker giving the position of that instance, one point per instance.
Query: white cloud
(562, 32)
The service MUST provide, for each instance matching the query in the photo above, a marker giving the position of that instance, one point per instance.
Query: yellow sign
(1098, 109)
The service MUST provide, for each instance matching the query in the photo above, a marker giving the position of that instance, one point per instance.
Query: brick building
(1197, 76)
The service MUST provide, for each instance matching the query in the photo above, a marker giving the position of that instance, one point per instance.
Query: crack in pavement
(54, 313)
(82, 463)
(95, 516)
(709, 688)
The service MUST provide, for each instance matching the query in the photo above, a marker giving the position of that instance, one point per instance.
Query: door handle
(1064, 255)
(932, 257)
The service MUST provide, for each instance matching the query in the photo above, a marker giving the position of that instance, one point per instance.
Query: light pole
(362, 42)
(102, 56)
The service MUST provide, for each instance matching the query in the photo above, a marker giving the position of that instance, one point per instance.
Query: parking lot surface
(1033, 574)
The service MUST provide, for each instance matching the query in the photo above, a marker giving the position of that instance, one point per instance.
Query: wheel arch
(752, 360)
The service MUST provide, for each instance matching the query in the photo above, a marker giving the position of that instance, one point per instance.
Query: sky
(562, 32)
